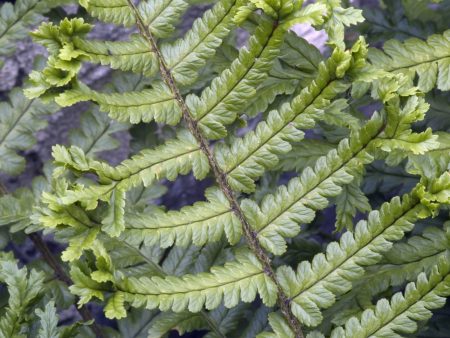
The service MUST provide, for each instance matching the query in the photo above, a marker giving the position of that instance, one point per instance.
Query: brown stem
(46, 254)
(220, 176)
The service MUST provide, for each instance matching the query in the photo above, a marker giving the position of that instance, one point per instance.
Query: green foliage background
(327, 176)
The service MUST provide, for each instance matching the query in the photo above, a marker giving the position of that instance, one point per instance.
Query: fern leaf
(160, 15)
(111, 11)
(280, 213)
(20, 118)
(430, 60)
(317, 284)
(229, 93)
(182, 322)
(157, 103)
(226, 96)
(114, 221)
(168, 161)
(94, 133)
(247, 158)
(399, 138)
(279, 326)
(15, 21)
(337, 19)
(241, 279)
(24, 288)
(198, 224)
(404, 262)
(293, 70)
(132, 55)
(48, 321)
(83, 286)
(304, 154)
(351, 199)
(186, 56)
(400, 314)
(70, 47)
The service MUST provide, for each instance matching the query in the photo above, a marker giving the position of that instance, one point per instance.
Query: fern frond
(159, 16)
(182, 322)
(297, 202)
(316, 284)
(304, 154)
(400, 314)
(226, 96)
(404, 262)
(186, 56)
(24, 289)
(20, 118)
(157, 103)
(246, 158)
(430, 60)
(279, 214)
(398, 134)
(17, 19)
(67, 43)
(94, 135)
(241, 279)
(111, 11)
(229, 93)
(279, 326)
(337, 19)
(351, 199)
(132, 55)
(178, 156)
(48, 321)
(198, 224)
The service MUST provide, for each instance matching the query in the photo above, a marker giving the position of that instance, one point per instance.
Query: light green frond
(404, 262)
(178, 156)
(317, 284)
(111, 11)
(430, 60)
(20, 118)
(294, 69)
(159, 16)
(67, 43)
(279, 326)
(238, 280)
(24, 289)
(92, 136)
(227, 95)
(133, 55)
(199, 224)
(246, 158)
(280, 214)
(400, 141)
(337, 19)
(186, 56)
(399, 315)
(83, 286)
(157, 103)
(231, 92)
